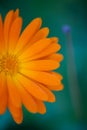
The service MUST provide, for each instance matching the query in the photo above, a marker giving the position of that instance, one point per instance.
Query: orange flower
(27, 62)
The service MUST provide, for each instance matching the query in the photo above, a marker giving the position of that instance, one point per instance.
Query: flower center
(9, 64)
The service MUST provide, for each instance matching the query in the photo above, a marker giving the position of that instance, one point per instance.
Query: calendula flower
(27, 61)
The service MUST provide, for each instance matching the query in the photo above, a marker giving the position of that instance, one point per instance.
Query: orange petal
(16, 13)
(32, 87)
(36, 48)
(51, 96)
(52, 48)
(59, 76)
(42, 77)
(42, 33)
(28, 33)
(54, 39)
(27, 99)
(3, 94)
(41, 65)
(41, 107)
(7, 25)
(56, 88)
(14, 33)
(1, 34)
(55, 56)
(13, 92)
(60, 87)
(16, 112)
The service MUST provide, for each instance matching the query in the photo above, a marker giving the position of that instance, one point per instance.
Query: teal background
(55, 14)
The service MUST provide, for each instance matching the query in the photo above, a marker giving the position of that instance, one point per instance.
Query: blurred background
(67, 19)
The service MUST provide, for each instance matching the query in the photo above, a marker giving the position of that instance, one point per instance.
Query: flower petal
(13, 92)
(41, 107)
(42, 77)
(59, 87)
(41, 65)
(3, 94)
(54, 39)
(1, 34)
(7, 25)
(16, 13)
(28, 33)
(32, 87)
(27, 99)
(52, 48)
(51, 97)
(42, 33)
(55, 56)
(36, 48)
(14, 33)
(16, 112)
(59, 76)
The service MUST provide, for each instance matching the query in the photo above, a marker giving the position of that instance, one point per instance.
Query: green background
(55, 14)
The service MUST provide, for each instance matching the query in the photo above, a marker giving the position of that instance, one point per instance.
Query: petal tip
(17, 11)
(19, 121)
(39, 20)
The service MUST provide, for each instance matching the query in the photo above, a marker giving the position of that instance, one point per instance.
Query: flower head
(27, 61)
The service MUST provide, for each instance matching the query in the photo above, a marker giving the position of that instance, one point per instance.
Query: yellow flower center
(9, 64)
